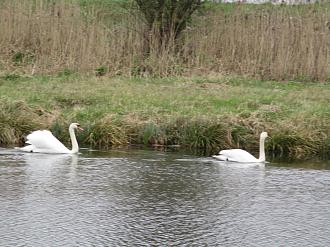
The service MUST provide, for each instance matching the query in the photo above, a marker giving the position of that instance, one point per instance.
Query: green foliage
(152, 134)
(168, 17)
(106, 132)
(242, 136)
(174, 131)
(20, 58)
(326, 147)
(101, 71)
(65, 73)
(59, 128)
(204, 135)
(290, 144)
(11, 77)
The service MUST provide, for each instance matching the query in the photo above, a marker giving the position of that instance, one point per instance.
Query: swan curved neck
(262, 156)
(75, 147)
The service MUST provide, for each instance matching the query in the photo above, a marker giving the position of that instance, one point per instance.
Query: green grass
(204, 114)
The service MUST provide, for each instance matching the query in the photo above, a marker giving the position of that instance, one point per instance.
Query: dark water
(150, 198)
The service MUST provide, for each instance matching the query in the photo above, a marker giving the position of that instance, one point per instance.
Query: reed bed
(288, 42)
(267, 42)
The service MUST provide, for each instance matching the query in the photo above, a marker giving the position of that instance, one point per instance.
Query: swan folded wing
(237, 155)
(45, 141)
(28, 148)
(221, 157)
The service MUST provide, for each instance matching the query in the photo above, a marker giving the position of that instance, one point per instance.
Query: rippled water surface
(151, 198)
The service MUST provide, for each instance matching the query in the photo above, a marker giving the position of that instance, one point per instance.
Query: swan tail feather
(28, 148)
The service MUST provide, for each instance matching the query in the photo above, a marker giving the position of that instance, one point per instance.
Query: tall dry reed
(276, 42)
(270, 42)
(46, 37)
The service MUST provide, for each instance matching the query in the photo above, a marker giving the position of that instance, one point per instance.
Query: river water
(152, 198)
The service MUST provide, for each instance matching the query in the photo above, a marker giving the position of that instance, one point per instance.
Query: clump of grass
(241, 136)
(326, 147)
(152, 134)
(293, 145)
(17, 119)
(174, 129)
(107, 132)
(199, 134)
(205, 135)
(162, 132)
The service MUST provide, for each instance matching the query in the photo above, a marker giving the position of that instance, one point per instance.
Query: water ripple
(158, 199)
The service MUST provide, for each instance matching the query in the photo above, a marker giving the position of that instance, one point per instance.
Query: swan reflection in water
(240, 164)
(45, 160)
(232, 164)
(48, 166)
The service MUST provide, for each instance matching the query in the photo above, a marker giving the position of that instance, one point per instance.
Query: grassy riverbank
(200, 113)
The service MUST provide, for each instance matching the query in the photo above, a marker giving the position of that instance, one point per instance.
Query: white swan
(43, 141)
(242, 156)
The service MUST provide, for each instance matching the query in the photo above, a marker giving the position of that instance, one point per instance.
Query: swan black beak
(79, 128)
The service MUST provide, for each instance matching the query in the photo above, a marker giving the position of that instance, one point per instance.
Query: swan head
(263, 135)
(75, 126)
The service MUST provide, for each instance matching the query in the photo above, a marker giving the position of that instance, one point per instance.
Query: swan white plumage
(43, 141)
(242, 156)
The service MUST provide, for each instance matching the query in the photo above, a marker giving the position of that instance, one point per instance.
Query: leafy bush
(101, 71)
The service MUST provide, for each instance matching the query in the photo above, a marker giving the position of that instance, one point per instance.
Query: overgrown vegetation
(102, 64)
(168, 18)
(110, 37)
(18, 119)
(204, 114)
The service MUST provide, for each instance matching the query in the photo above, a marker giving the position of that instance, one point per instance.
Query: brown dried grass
(273, 42)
